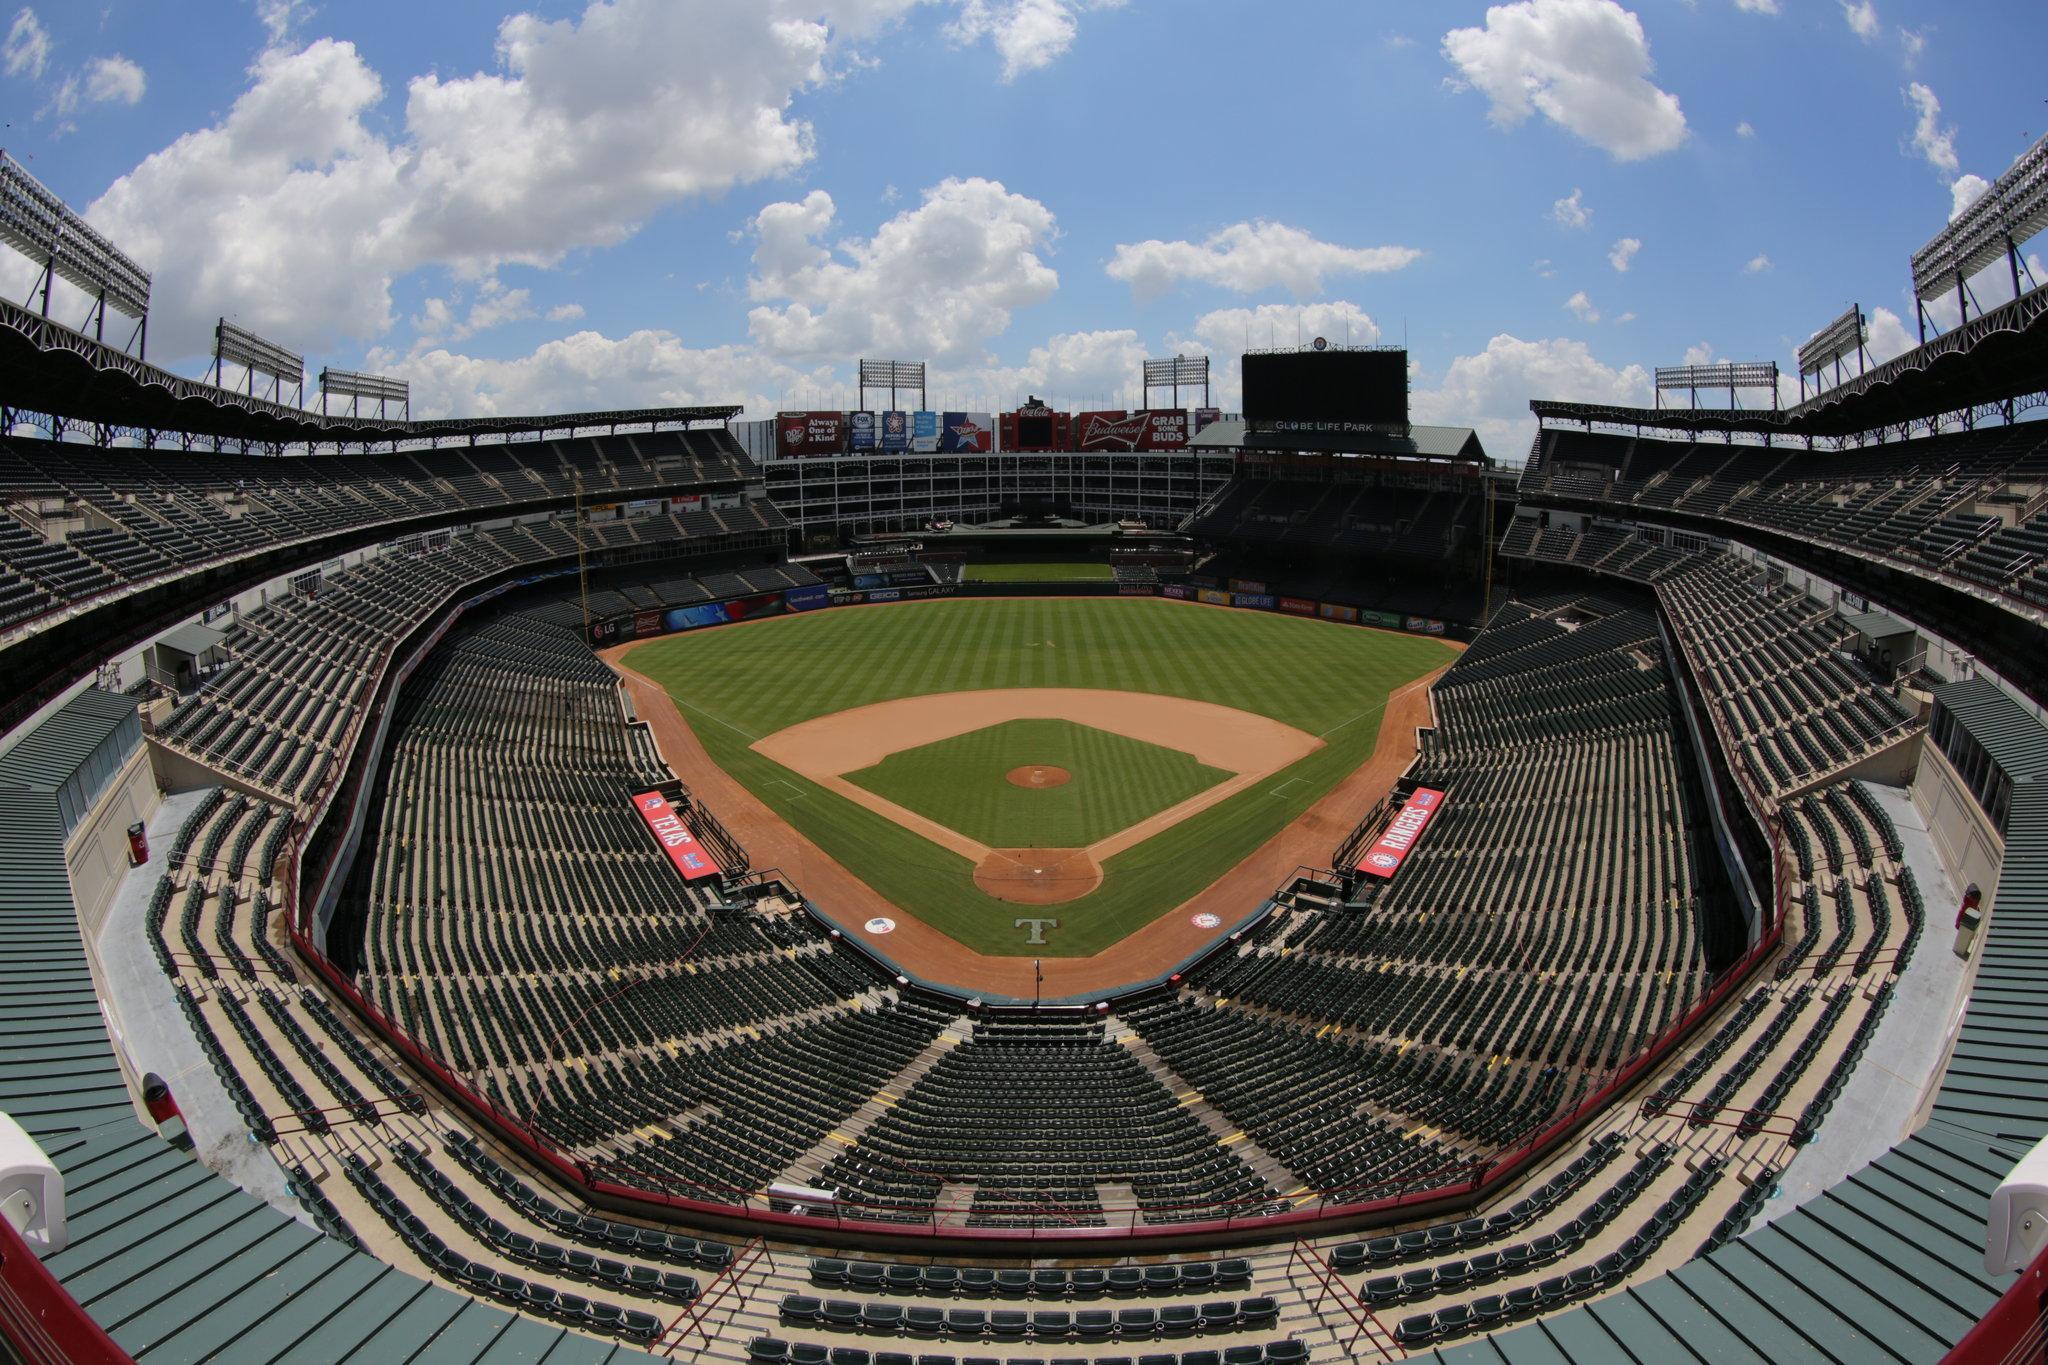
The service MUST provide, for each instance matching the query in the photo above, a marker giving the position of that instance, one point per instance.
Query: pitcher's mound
(1038, 876)
(1038, 775)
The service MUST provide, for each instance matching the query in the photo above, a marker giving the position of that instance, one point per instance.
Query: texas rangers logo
(1383, 860)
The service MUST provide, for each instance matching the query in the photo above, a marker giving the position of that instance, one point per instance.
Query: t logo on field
(1038, 928)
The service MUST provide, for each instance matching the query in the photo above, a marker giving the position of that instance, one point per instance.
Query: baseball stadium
(896, 886)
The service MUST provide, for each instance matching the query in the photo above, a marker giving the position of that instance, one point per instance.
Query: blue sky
(579, 205)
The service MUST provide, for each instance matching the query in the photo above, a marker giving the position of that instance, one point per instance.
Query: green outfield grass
(737, 684)
(1039, 573)
(963, 783)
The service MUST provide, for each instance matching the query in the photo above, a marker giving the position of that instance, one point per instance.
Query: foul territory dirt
(937, 957)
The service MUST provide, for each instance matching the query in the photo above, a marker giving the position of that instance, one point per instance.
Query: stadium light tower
(2012, 211)
(234, 345)
(1843, 337)
(38, 224)
(358, 387)
(891, 375)
(1173, 374)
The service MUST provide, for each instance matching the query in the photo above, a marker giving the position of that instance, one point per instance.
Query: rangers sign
(1391, 849)
(675, 839)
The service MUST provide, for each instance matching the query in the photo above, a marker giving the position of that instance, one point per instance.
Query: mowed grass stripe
(765, 676)
(1038, 573)
(963, 783)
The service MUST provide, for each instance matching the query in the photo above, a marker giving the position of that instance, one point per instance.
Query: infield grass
(737, 684)
(963, 783)
(1039, 573)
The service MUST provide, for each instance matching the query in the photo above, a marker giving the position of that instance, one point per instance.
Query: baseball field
(1038, 573)
(1103, 759)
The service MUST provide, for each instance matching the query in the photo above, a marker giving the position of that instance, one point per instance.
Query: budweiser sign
(1111, 430)
(1391, 849)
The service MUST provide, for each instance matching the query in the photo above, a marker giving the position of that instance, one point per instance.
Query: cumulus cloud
(1074, 369)
(1933, 140)
(1623, 254)
(1027, 34)
(299, 208)
(1490, 391)
(565, 312)
(1248, 257)
(1571, 211)
(26, 50)
(1744, 129)
(1966, 190)
(1862, 19)
(1887, 336)
(1581, 307)
(114, 80)
(1583, 64)
(938, 280)
(587, 370)
(1757, 6)
(1757, 264)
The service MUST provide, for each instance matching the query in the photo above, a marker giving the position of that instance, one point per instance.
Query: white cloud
(113, 80)
(1545, 269)
(1074, 369)
(1625, 317)
(1571, 211)
(587, 370)
(1757, 6)
(1581, 307)
(1745, 129)
(1966, 190)
(1490, 391)
(1624, 253)
(26, 50)
(565, 312)
(1028, 34)
(1757, 264)
(1887, 336)
(297, 209)
(1583, 64)
(938, 280)
(1912, 42)
(1700, 353)
(1930, 138)
(1248, 257)
(1862, 19)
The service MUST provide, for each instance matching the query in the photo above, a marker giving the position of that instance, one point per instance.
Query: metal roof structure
(1987, 363)
(46, 756)
(2015, 739)
(46, 367)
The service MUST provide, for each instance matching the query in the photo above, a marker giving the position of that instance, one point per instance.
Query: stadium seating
(80, 521)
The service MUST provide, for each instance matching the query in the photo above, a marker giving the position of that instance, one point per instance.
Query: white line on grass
(1371, 710)
(691, 706)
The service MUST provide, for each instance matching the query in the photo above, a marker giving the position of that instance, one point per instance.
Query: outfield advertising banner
(1423, 625)
(1247, 585)
(810, 433)
(1333, 612)
(681, 846)
(896, 431)
(924, 432)
(1298, 606)
(1165, 429)
(1108, 430)
(967, 433)
(1380, 618)
(807, 599)
(1215, 598)
(1206, 417)
(860, 430)
(1391, 849)
(722, 613)
(1180, 591)
(647, 623)
(1262, 601)
(886, 595)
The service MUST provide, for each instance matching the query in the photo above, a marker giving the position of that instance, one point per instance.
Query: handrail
(1347, 1298)
(726, 1282)
(39, 1320)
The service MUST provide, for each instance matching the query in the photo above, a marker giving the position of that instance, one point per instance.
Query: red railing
(727, 1283)
(2015, 1331)
(39, 1320)
(1364, 1321)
